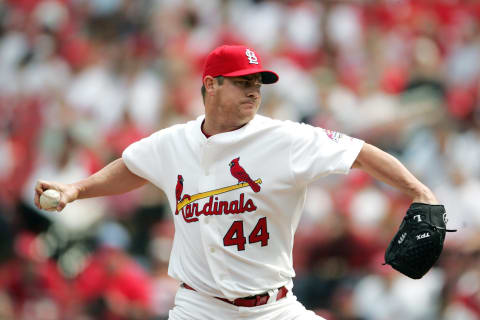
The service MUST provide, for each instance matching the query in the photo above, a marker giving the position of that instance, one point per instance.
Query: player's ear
(209, 84)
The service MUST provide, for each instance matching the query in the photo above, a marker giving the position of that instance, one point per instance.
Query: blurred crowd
(82, 79)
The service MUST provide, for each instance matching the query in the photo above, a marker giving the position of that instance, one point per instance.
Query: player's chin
(247, 115)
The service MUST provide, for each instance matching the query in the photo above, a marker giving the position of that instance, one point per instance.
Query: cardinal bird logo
(241, 175)
(179, 189)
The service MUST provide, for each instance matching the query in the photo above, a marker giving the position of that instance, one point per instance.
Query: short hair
(204, 91)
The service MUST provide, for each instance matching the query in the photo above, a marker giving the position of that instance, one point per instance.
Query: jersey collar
(225, 137)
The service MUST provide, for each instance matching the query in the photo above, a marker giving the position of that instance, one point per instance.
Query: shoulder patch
(333, 135)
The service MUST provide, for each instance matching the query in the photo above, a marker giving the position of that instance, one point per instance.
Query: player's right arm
(115, 178)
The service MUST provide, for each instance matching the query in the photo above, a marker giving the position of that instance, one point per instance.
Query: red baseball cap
(235, 61)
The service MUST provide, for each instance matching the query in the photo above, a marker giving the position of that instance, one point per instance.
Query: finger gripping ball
(49, 199)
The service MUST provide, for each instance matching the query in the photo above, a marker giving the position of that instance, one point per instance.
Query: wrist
(74, 193)
(424, 195)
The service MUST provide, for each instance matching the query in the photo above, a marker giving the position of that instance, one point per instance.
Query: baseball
(49, 199)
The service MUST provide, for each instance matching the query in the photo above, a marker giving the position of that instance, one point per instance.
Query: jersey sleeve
(143, 158)
(316, 152)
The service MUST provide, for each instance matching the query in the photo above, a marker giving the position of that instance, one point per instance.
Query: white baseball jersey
(237, 197)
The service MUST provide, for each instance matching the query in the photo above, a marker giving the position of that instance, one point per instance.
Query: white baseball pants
(191, 305)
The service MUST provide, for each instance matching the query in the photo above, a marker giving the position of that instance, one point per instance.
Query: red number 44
(236, 237)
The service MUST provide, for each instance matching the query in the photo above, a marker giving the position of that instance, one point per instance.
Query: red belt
(252, 301)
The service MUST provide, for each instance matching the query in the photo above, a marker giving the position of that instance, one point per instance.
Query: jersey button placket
(206, 160)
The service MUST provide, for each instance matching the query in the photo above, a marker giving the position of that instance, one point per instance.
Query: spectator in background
(113, 286)
(34, 286)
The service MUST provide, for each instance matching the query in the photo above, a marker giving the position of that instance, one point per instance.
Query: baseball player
(236, 182)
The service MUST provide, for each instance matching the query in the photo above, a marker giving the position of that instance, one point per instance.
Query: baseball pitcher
(237, 192)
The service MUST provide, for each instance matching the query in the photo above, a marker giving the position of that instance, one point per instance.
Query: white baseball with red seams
(49, 199)
(237, 198)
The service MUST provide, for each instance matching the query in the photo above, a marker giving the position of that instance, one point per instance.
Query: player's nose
(253, 93)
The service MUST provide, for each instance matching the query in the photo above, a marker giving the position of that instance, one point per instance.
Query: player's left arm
(386, 168)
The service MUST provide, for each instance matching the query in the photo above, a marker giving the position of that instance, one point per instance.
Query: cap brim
(268, 76)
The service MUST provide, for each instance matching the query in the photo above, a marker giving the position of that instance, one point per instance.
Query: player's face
(239, 98)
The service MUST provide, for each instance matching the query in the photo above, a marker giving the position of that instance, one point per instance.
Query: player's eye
(241, 83)
(245, 84)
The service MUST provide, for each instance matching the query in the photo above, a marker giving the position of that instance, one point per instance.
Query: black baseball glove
(419, 240)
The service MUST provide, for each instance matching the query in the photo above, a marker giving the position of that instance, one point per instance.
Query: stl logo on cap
(252, 58)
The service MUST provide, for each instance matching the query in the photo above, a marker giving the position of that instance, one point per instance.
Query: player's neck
(210, 127)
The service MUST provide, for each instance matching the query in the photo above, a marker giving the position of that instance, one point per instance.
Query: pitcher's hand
(68, 193)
